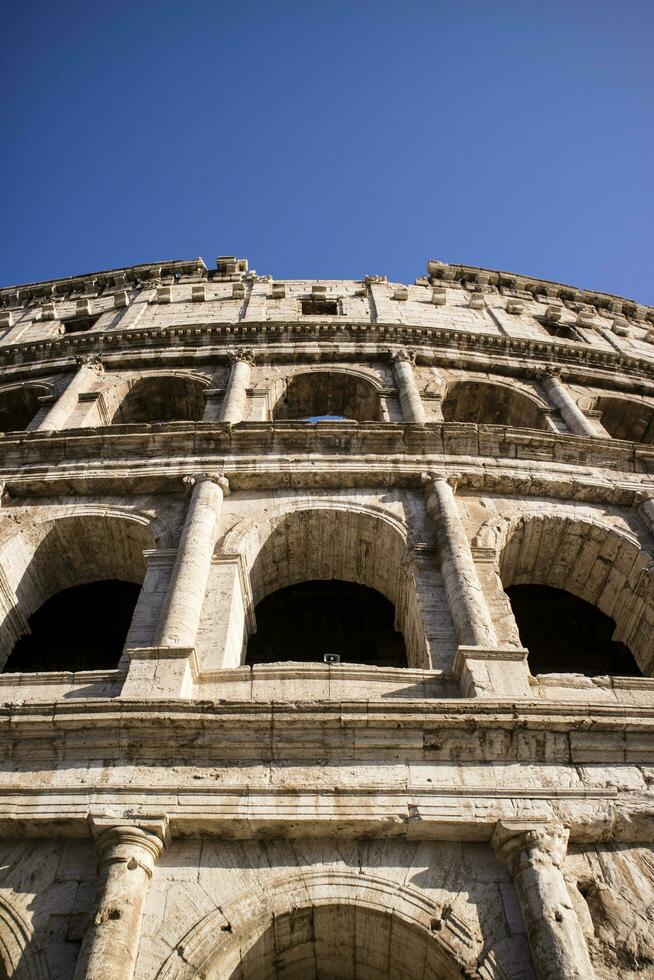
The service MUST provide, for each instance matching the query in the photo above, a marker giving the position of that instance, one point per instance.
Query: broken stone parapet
(534, 854)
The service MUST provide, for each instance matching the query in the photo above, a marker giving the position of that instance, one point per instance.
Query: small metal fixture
(331, 658)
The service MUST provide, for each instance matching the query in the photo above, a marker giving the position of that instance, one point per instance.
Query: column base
(487, 672)
(160, 672)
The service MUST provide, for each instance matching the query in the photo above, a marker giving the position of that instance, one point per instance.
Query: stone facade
(187, 814)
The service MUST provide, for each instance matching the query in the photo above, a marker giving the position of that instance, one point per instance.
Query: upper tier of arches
(331, 392)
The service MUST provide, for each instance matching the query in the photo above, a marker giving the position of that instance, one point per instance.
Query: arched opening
(582, 594)
(626, 419)
(340, 941)
(72, 586)
(18, 406)
(77, 629)
(564, 633)
(168, 398)
(305, 622)
(315, 555)
(491, 404)
(329, 395)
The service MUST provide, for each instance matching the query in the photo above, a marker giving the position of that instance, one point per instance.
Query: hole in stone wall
(565, 634)
(328, 394)
(82, 628)
(319, 307)
(563, 331)
(306, 621)
(78, 324)
(167, 399)
(17, 409)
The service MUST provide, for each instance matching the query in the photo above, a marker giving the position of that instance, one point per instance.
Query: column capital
(245, 354)
(93, 361)
(192, 480)
(402, 355)
(522, 844)
(136, 844)
(550, 373)
(429, 478)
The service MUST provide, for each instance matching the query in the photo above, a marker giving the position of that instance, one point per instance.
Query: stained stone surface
(184, 813)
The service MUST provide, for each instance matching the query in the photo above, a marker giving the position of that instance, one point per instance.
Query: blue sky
(330, 139)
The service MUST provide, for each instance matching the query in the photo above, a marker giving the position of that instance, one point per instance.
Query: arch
(59, 553)
(156, 397)
(19, 404)
(627, 418)
(599, 564)
(492, 403)
(327, 539)
(19, 953)
(339, 392)
(257, 927)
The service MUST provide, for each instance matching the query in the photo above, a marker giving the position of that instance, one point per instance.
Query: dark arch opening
(626, 419)
(81, 628)
(343, 941)
(168, 399)
(304, 622)
(490, 404)
(328, 394)
(17, 409)
(565, 634)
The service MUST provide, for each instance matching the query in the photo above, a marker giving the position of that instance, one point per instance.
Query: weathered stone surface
(184, 813)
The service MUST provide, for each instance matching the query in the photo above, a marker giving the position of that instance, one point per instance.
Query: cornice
(441, 346)
(456, 272)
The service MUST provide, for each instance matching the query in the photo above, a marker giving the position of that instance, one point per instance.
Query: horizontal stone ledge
(592, 818)
(281, 472)
(433, 436)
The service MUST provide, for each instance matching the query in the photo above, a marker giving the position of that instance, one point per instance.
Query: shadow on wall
(626, 419)
(47, 892)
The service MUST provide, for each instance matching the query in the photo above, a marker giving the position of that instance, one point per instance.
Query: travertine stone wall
(183, 814)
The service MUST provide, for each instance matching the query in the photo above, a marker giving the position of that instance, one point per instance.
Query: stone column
(464, 593)
(405, 379)
(126, 859)
(242, 362)
(534, 854)
(88, 372)
(188, 581)
(563, 400)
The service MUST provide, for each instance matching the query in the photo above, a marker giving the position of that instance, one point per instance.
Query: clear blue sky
(330, 139)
